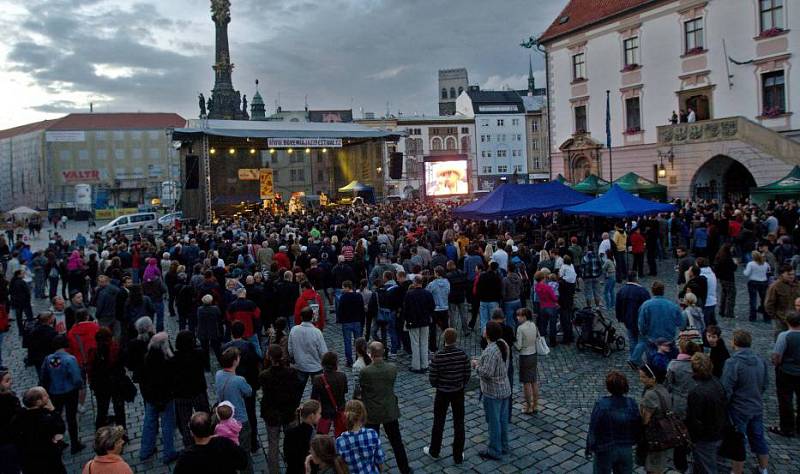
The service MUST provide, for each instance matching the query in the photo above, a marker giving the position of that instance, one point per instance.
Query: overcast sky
(156, 55)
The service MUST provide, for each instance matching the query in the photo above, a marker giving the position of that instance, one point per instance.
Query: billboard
(266, 190)
(446, 178)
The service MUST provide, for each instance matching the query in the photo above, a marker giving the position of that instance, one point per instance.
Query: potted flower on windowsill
(695, 50)
(771, 32)
(772, 112)
(633, 131)
(630, 67)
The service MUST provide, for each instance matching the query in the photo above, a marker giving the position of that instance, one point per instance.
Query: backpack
(312, 303)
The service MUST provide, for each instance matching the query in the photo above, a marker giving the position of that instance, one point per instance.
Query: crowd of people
(406, 284)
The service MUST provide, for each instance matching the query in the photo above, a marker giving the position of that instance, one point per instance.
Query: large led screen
(446, 178)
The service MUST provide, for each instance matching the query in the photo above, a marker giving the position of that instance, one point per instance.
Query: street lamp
(662, 172)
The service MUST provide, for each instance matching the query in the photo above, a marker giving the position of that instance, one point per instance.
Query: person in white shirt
(604, 247)
(756, 272)
(501, 257)
(710, 306)
(691, 117)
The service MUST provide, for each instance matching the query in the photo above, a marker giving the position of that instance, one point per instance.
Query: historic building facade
(723, 68)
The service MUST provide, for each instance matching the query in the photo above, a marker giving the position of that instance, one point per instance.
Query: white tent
(22, 211)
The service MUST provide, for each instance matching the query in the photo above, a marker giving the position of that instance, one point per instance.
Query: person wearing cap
(658, 318)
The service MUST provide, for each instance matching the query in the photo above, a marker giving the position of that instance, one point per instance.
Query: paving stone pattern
(552, 441)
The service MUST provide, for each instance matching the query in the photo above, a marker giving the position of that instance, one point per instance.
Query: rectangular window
(693, 32)
(579, 66)
(502, 153)
(519, 137)
(136, 154)
(320, 176)
(580, 119)
(488, 138)
(483, 138)
(502, 169)
(487, 170)
(518, 168)
(515, 122)
(297, 175)
(633, 117)
(153, 135)
(534, 145)
(83, 154)
(65, 155)
(464, 130)
(119, 154)
(101, 154)
(500, 122)
(774, 90)
(488, 153)
(275, 175)
(631, 51)
(771, 12)
(484, 123)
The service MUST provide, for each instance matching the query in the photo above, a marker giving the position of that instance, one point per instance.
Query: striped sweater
(449, 371)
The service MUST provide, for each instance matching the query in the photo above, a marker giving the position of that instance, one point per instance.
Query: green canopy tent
(561, 179)
(593, 185)
(643, 187)
(786, 188)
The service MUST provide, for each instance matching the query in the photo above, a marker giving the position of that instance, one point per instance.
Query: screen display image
(446, 178)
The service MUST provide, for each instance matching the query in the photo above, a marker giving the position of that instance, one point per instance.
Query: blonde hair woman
(360, 447)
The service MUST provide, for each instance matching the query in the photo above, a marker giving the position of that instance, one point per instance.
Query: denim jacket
(60, 373)
(615, 422)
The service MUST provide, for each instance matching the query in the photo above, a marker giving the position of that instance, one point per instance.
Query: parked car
(168, 220)
(132, 223)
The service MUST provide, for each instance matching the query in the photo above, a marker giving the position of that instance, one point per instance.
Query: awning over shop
(512, 200)
(593, 185)
(635, 184)
(619, 203)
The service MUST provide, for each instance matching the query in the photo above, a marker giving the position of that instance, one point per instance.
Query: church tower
(258, 110)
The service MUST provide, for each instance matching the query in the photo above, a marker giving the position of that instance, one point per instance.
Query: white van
(131, 223)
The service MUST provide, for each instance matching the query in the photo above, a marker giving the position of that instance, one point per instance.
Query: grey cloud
(340, 53)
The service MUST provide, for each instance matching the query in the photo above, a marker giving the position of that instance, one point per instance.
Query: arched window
(444, 93)
(450, 143)
(452, 92)
(466, 144)
(460, 90)
(436, 144)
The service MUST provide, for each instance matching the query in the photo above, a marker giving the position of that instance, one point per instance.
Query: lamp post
(670, 156)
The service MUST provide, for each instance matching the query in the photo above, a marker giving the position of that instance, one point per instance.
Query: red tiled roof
(28, 128)
(582, 13)
(119, 121)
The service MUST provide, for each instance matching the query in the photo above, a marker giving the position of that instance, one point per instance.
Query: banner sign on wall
(304, 142)
(249, 174)
(81, 176)
(266, 189)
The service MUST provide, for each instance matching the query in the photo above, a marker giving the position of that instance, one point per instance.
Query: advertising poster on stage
(265, 182)
(446, 178)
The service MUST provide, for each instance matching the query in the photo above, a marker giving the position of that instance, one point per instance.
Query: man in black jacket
(449, 374)
(40, 341)
(106, 304)
(457, 298)
(38, 432)
(209, 454)
(351, 317)
(489, 293)
(418, 308)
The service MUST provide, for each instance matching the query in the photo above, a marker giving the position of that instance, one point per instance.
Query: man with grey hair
(106, 304)
(38, 431)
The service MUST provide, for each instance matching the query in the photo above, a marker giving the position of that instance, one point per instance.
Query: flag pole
(608, 136)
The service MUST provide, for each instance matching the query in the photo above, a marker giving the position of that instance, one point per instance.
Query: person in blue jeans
(492, 368)
(489, 292)
(351, 317)
(745, 379)
(158, 391)
(614, 428)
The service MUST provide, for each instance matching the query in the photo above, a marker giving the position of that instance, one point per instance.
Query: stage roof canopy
(280, 129)
(512, 200)
(619, 203)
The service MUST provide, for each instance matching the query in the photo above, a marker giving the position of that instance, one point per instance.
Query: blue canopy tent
(513, 200)
(619, 203)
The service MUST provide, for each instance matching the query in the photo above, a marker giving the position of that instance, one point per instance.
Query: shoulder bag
(340, 419)
(666, 430)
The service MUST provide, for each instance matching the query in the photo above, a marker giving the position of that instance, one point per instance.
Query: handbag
(666, 430)
(732, 446)
(340, 419)
(541, 346)
(127, 389)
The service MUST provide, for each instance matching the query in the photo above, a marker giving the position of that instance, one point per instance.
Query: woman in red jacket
(310, 297)
(548, 306)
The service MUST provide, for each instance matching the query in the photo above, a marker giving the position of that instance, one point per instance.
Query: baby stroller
(595, 331)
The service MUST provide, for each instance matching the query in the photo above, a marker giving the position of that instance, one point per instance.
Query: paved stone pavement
(551, 441)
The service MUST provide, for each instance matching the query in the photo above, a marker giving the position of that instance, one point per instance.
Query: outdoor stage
(228, 165)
